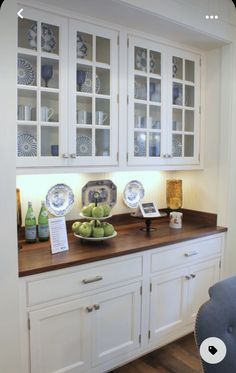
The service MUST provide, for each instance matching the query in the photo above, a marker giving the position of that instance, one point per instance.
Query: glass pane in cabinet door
(49, 141)
(177, 94)
(49, 73)
(154, 144)
(26, 141)
(84, 46)
(177, 145)
(84, 110)
(102, 142)
(177, 120)
(155, 62)
(102, 81)
(188, 145)
(140, 87)
(154, 121)
(102, 50)
(189, 96)
(26, 108)
(83, 142)
(27, 33)
(140, 59)
(189, 120)
(84, 79)
(155, 90)
(140, 144)
(177, 68)
(140, 116)
(49, 38)
(49, 107)
(189, 71)
(26, 70)
(102, 114)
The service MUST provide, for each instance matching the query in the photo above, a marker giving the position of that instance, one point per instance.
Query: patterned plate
(83, 146)
(48, 39)
(81, 47)
(60, 199)
(25, 72)
(87, 86)
(140, 148)
(133, 193)
(107, 192)
(26, 145)
(176, 147)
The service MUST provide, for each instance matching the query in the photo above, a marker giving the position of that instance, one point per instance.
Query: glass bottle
(30, 225)
(43, 230)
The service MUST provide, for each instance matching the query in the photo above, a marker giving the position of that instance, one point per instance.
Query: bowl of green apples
(94, 230)
(95, 211)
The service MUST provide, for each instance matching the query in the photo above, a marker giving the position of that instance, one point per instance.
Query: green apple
(92, 205)
(98, 232)
(85, 230)
(75, 226)
(87, 211)
(106, 210)
(97, 212)
(108, 229)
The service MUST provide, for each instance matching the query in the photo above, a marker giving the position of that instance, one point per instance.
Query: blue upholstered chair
(217, 318)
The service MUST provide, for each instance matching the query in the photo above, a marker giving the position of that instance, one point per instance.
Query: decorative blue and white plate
(139, 148)
(25, 72)
(83, 146)
(87, 86)
(48, 39)
(133, 193)
(106, 190)
(26, 145)
(81, 47)
(60, 199)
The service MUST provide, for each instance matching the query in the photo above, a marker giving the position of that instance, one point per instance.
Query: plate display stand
(148, 221)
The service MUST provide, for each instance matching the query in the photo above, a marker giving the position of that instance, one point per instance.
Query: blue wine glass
(46, 73)
(80, 76)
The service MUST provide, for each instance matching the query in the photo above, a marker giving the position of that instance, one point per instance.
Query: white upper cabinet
(41, 89)
(163, 105)
(93, 104)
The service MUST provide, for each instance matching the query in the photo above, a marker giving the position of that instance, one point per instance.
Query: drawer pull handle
(187, 277)
(191, 253)
(89, 308)
(193, 275)
(94, 279)
(96, 307)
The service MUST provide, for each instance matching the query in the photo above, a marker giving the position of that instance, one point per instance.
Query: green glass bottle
(30, 225)
(43, 230)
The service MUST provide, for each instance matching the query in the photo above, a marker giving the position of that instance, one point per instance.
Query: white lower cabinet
(106, 313)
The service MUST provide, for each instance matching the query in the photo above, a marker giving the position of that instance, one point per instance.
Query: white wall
(9, 342)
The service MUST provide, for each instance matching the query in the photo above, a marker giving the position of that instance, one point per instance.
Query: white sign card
(58, 234)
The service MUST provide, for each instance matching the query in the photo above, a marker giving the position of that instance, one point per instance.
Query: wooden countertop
(37, 258)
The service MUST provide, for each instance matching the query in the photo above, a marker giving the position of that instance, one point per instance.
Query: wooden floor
(178, 357)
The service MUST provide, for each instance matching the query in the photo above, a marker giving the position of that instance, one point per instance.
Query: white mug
(101, 117)
(140, 121)
(83, 117)
(24, 112)
(46, 113)
(176, 220)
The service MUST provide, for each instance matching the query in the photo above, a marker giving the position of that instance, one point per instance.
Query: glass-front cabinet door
(185, 108)
(93, 97)
(146, 102)
(41, 100)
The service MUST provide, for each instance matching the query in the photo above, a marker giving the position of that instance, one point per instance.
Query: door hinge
(118, 99)
(200, 62)
(127, 156)
(149, 334)
(28, 323)
(139, 338)
(220, 264)
(118, 40)
(128, 100)
(150, 287)
(141, 290)
(200, 110)
(128, 43)
(117, 156)
(198, 157)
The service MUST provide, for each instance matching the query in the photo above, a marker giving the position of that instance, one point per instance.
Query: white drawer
(59, 286)
(187, 252)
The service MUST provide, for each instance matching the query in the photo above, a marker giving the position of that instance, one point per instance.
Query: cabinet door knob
(89, 308)
(73, 155)
(187, 277)
(170, 156)
(65, 155)
(96, 307)
(193, 275)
